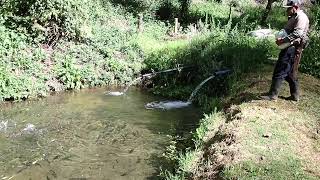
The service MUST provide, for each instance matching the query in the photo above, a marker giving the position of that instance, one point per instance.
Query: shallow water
(88, 135)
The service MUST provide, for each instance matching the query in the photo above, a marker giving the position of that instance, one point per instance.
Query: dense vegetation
(57, 45)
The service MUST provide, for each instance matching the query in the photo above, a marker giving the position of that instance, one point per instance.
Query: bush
(310, 62)
(21, 70)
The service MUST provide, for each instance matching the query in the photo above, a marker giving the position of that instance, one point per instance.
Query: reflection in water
(87, 135)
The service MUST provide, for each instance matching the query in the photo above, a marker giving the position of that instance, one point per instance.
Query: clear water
(87, 135)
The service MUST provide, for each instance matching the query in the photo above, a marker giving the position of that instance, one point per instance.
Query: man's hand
(279, 41)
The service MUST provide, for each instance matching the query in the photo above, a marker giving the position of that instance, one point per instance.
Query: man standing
(288, 62)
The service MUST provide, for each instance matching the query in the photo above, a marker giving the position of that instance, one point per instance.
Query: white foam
(29, 128)
(165, 105)
(115, 93)
(3, 125)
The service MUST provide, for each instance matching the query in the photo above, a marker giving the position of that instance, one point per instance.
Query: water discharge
(87, 135)
(166, 105)
(118, 93)
(131, 83)
(198, 87)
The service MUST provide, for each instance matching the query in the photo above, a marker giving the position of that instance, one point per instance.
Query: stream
(88, 135)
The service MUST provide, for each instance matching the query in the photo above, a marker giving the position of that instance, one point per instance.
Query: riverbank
(252, 138)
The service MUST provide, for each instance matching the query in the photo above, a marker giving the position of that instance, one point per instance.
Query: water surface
(87, 135)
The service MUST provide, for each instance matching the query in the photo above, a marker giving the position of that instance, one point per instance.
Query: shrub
(21, 70)
(310, 62)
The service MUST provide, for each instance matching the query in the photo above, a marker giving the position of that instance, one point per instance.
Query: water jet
(166, 105)
(148, 75)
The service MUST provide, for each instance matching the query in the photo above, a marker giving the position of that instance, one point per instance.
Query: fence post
(140, 23)
(176, 24)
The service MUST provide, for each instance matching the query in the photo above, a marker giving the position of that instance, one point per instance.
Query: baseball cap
(291, 3)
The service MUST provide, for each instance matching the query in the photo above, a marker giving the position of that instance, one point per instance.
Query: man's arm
(298, 31)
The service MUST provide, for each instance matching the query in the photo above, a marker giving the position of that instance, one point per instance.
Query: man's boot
(294, 91)
(274, 90)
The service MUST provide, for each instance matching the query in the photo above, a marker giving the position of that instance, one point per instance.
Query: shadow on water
(88, 135)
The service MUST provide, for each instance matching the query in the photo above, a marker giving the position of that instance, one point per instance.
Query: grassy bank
(255, 139)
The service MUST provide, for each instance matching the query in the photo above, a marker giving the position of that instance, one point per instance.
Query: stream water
(88, 135)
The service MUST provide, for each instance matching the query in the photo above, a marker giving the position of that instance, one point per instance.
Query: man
(287, 65)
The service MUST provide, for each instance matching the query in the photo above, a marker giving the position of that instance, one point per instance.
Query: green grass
(187, 162)
(288, 168)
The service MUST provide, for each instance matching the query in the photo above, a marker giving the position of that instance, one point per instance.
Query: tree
(267, 12)
(184, 5)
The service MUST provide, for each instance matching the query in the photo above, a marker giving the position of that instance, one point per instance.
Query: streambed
(88, 135)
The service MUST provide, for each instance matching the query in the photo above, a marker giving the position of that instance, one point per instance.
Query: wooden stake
(176, 24)
(140, 23)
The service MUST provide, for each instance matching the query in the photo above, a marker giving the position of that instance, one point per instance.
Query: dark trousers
(286, 68)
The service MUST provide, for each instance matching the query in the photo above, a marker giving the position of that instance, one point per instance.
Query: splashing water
(166, 105)
(3, 126)
(118, 93)
(217, 73)
(114, 93)
(198, 87)
(131, 83)
(30, 128)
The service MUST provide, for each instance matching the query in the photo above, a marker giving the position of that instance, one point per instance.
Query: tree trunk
(266, 13)
(184, 5)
